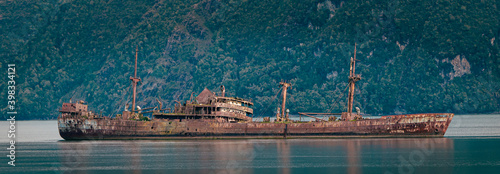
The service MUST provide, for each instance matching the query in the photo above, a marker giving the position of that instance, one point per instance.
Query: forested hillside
(415, 55)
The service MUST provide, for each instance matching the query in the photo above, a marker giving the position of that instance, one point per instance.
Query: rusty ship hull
(212, 115)
(412, 125)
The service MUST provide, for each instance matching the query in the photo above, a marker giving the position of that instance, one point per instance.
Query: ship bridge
(210, 106)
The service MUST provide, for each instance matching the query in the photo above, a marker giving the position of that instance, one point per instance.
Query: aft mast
(134, 81)
(353, 78)
(352, 81)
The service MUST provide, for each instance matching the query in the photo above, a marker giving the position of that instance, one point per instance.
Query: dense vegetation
(415, 56)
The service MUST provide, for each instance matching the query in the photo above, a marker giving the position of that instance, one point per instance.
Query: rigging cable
(265, 110)
(341, 95)
(119, 102)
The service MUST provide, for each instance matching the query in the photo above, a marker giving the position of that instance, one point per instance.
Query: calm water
(471, 145)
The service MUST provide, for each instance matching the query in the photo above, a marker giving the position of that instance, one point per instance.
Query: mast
(285, 85)
(353, 78)
(135, 80)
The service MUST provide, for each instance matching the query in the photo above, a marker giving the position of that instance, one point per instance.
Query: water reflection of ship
(354, 154)
(412, 152)
(353, 157)
(74, 156)
(283, 149)
(230, 157)
(243, 156)
(136, 157)
(85, 157)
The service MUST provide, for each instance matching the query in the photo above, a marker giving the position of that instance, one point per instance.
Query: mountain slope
(415, 56)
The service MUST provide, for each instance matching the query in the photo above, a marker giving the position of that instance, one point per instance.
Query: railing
(231, 106)
(420, 115)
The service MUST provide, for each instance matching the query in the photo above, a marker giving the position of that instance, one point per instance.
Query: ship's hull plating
(414, 125)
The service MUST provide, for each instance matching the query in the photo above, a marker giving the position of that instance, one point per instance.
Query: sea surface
(471, 145)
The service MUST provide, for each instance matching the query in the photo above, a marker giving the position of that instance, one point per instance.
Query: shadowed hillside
(415, 56)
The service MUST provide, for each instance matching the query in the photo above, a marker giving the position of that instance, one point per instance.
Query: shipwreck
(213, 116)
